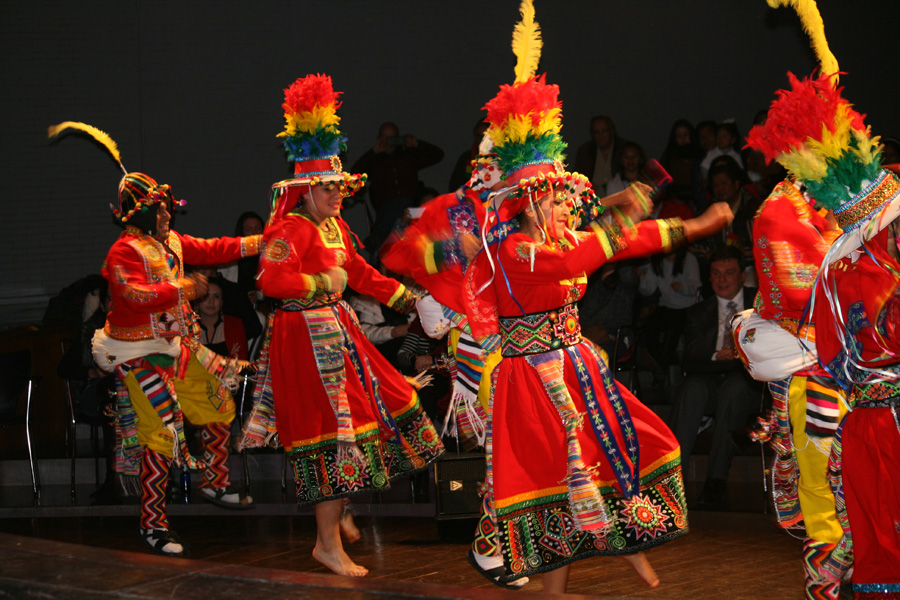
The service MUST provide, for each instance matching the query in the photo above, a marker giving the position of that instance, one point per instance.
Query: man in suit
(598, 159)
(715, 384)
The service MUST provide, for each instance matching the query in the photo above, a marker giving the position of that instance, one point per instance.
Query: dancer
(362, 426)
(164, 376)
(792, 234)
(854, 309)
(560, 492)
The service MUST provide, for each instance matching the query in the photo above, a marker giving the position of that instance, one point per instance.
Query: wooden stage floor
(267, 556)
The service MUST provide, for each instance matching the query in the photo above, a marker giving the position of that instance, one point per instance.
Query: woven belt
(540, 332)
(882, 403)
(298, 304)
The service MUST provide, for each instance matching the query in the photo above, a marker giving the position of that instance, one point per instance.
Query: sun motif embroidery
(277, 250)
(349, 473)
(644, 517)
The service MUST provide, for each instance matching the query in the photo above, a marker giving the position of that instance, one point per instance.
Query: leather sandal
(157, 539)
(495, 574)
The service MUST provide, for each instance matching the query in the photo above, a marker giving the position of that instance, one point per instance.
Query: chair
(625, 355)
(15, 378)
(71, 388)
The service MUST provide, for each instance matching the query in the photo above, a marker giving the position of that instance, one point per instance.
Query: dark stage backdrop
(192, 93)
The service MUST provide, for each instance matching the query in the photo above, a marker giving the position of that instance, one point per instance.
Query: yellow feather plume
(100, 136)
(527, 43)
(814, 27)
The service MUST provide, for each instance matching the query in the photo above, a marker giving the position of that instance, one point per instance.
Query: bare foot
(642, 567)
(348, 528)
(339, 562)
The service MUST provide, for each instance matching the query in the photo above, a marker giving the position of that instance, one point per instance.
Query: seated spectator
(93, 390)
(715, 384)
(235, 302)
(890, 153)
(420, 353)
(393, 166)
(629, 169)
(675, 277)
(221, 333)
(727, 138)
(597, 158)
(727, 184)
(608, 304)
(243, 271)
(681, 158)
(764, 177)
(382, 326)
(462, 171)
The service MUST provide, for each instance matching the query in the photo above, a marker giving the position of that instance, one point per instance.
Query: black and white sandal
(494, 574)
(230, 497)
(159, 540)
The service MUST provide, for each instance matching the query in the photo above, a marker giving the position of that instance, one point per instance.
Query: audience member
(727, 138)
(382, 326)
(763, 176)
(93, 390)
(221, 333)
(629, 169)
(243, 270)
(706, 136)
(462, 171)
(608, 303)
(715, 384)
(676, 278)
(393, 166)
(890, 152)
(597, 159)
(235, 302)
(726, 184)
(681, 158)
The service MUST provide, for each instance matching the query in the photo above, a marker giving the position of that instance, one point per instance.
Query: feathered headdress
(312, 141)
(814, 133)
(311, 135)
(138, 192)
(525, 120)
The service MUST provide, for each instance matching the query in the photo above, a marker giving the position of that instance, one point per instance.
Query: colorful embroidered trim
(322, 473)
(863, 205)
(585, 502)
(540, 332)
(626, 476)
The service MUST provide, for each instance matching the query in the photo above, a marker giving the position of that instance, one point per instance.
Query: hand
(399, 330)
(381, 145)
(411, 141)
(676, 285)
(423, 363)
(471, 245)
(201, 284)
(334, 280)
(633, 202)
(727, 354)
(716, 216)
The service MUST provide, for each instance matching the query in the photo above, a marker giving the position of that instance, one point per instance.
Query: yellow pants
(196, 397)
(816, 499)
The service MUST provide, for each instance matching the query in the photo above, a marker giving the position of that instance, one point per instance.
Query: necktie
(727, 338)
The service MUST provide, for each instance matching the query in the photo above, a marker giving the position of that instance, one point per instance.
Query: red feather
(533, 96)
(308, 92)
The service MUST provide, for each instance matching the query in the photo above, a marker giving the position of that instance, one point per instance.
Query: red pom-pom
(533, 96)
